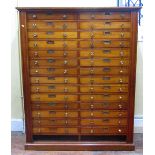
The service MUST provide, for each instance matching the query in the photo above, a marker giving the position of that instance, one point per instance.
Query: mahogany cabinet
(79, 67)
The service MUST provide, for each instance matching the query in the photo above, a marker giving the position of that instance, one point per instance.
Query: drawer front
(54, 131)
(105, 25)
(51, 80)
(109, 52)
(52, 97)
(54, 114)
(104, 130)
(52, 53)
(104, 97)
(104, 43)
(52, 34)
(105, 62)
(54, 105)
(104, 113)
(54, 25)
(104, 88)
(54, 122)
(104, 70)
(105, 34)
(55, 44)
(104, 105)
(51, 15)
(104, 79)
(54, 88)
(53, 71)
(53, 62)
(104, 121)
(105, 15)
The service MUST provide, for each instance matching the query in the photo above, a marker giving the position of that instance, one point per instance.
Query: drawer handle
(50, 51)
(106, 120)
(107, 23)
(121, 62)
(91, 131)
(51, 95)
(51, 60)
(35, 35)
(65, 26)
(106, 51)
(50, 23)
(51, 87)
(49, 32)
(65, 35)
(121, 80)
(36, 63)
(64, 16)
(65, 71)
(91, 53)
(35, 44)
(106, 78)
(91, 89)
(107, 33)
(106, 87)
(65, 80)
(36, 54)
(50, 69)
(107, 42)
(65, 90)
(120, 106)
(65, 62)
(105, 112)
(50, 42)
(106, 69)
(51, 104)
(121, 53)
(36, 80)
(92, 35)
(34, 16)
(91, 71)
(108, 13)
(34, 25)
(51, 78)
(37, 89)
(119, 130)
(52, 112)
(107, 60)
(65, 54)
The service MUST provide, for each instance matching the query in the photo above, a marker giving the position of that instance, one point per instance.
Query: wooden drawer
(54, 44)
(104, 88)
(52, 34)
(104, 97)
(53, 62)
(54, 131)
(104, 113)
(105, 62)
(53, 71)
(53, 97)
(104, 43)
(51, 25)
(53, 114)
(105, 34)
(104, 130)
(54, 105)
(104, 105)
(54, 122)
(53, 79)
(52, 53)
(104, 79)
(105, 15)
(106, 52)
(54, 88)
(91, 25)
(104, 70)
(52, 15)
(104, 121)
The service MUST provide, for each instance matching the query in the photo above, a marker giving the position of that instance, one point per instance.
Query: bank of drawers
(79, 72)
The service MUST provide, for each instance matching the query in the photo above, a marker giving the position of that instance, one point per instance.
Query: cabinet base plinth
(78, 146)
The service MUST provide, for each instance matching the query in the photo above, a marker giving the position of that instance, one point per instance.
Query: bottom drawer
(104, 130)
(54, 131)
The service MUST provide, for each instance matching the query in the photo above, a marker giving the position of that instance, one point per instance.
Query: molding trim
(18, 125)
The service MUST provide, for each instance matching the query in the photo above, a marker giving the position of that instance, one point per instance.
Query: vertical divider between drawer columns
(78, 76)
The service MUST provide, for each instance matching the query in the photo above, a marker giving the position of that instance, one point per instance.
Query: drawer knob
(64, 26)
(122, 44)
(91, 53)
(120, 115)
(64, 16)
(35, 44)
(107, 23)
(121, 71)
(66, 122)
(65, 62)
(34, 16)
(91, 114)
(91, 131)
(65, 71)
(120, 89)
(37, 90)
(35, 35)
(36, 62)
(119, 130)
(121, 53)
(65, 90)
(65, 53)
(121, 62)
(120, 97)
(91, 106)
(36, 80)
(122, 35)
(39, 130)
(92, 71)
(65, 80)
(66, 114)
(120, 106)
(119, 122)
(91, 45)
(38, 113)
(91, 89)
(120, 80)
(92, 35)
(34, 26)
(91, 97)
(36, 71)
(65, 35)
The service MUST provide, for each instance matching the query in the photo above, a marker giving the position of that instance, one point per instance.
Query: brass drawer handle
(65, 71)
(92, 35)
(119, 130)
(51, 104)
(120, 89)
(36, 80)
(51, 78)
(66, 114)
(65, 97)
(121, 80)
(91, 45)
(34, 16)
(105, 129)
(50, 41)
(91, 53)
(107, 60)
(36, 71)
(36, 62)
(65, 80)
(91, 71)
(52, 112)
(107, 42)
(51, 60)
(121, 71)
(65, 62)
(107, 33)
(51, 87)
(37, 89)
(120, 106)
(51, 96)
(121, 44)
(121, 62)
(91, 89)
(106, 69)
(35, 35)
(121, 53)
(50, 51)
(49, 32)
(50, 69)
(106, 51)
(65, 54)
(50, 23)
(106, 78)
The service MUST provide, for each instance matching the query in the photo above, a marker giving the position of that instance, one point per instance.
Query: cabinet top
(79, 8)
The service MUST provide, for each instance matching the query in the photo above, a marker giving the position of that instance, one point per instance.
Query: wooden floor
(18, 140)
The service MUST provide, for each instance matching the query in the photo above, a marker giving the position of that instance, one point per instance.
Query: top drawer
(52, 15)
(105, 15)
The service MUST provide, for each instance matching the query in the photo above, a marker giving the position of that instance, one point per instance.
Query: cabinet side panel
(132, 81)
(26, 79)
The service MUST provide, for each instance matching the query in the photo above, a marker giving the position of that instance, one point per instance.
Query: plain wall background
(16, 83)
